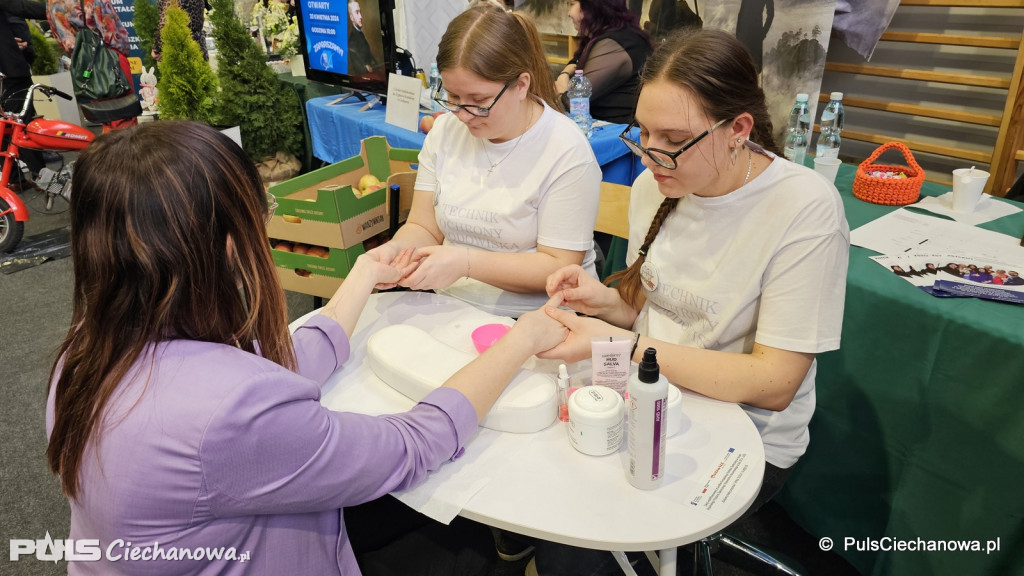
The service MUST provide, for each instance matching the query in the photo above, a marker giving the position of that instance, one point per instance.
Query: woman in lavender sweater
(183, 419)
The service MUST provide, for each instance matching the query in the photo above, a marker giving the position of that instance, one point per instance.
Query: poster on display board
(326, 24)
(787, 39)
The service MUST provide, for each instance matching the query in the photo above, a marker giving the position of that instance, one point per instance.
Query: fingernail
(549, 309)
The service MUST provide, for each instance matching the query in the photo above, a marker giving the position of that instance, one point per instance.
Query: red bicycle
(39, 134)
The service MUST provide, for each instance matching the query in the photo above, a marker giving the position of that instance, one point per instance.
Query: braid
(763, 132)
(630, 287)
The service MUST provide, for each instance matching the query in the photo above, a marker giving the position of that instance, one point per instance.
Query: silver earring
(732, 154)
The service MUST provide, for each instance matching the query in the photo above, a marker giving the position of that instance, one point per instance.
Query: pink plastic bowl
(485, 336)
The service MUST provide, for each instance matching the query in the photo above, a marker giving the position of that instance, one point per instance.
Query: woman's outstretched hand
(540, 329)
(436, 267)
(397, 264)
(389, 267)
(582, 330)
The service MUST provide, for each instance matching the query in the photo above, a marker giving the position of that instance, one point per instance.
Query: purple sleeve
(321, 347)
(271, 448)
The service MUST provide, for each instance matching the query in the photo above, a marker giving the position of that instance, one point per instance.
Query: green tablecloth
(918, 434)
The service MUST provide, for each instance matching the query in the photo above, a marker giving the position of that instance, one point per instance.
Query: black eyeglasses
(663, 158)
(480, 111)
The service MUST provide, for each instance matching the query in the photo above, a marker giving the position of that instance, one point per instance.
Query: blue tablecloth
(337, 130)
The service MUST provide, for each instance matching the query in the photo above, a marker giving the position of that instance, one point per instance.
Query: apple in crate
(368, 183)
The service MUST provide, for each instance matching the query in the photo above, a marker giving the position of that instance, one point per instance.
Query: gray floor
(35, 310)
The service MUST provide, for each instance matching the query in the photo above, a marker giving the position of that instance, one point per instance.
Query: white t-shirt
(544, 190)
(765, 263)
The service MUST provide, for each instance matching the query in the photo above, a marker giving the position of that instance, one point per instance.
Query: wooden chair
(613, 211)
(613, 220)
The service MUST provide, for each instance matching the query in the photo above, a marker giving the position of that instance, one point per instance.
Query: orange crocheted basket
(891, 191)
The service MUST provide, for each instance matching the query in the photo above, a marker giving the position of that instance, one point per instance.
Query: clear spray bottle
(647, 405)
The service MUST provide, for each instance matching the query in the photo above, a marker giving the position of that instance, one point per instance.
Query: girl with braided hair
(737, 257)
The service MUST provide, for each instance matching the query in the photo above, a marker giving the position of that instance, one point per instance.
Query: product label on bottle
(827, 152)
(795, 154)
(659, 440)
(579, 106)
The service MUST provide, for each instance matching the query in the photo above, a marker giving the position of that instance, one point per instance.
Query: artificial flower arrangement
(280, 32)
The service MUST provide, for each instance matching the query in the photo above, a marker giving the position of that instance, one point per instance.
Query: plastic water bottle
(435, 82)
(831, 126)
(579, 101)
(795, 148)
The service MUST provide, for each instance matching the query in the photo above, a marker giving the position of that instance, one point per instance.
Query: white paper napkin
(445, 491)
(988, 208)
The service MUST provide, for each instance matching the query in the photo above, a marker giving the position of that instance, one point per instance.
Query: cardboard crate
(324, 276)
(320, 207)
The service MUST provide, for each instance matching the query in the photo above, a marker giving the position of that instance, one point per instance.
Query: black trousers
(391, 539)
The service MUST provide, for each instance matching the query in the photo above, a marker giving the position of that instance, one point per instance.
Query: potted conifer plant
(187, 86)
(251, 97)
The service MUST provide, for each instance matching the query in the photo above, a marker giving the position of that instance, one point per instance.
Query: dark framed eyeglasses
(271, 206)
(663, 158)
(480, 111)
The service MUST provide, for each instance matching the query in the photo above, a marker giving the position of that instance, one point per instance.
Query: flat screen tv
(348, 43)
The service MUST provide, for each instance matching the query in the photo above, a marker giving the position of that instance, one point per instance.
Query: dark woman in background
(612, 51)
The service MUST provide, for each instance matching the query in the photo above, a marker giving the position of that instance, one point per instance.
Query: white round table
(537, 484)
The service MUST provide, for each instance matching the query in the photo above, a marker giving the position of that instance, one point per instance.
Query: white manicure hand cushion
(414, 363)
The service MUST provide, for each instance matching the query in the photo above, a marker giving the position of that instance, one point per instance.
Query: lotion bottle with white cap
(647, 403)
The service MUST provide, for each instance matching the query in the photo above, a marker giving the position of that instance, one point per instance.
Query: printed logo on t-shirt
(697, 315)
(474, 227)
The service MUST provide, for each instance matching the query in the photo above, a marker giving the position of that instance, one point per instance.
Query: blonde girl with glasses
(737, 257)
(508, 186)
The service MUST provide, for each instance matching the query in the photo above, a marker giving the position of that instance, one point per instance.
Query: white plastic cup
(968, 185)
(827, 167)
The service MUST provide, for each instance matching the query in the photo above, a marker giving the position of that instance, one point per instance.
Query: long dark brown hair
(498, 46)
(600, 16)
(717, 68)
(168, 241)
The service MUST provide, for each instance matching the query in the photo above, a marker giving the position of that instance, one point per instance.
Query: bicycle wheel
(10, 229)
